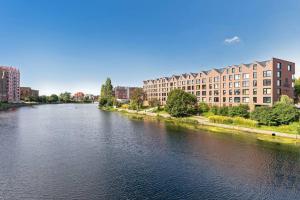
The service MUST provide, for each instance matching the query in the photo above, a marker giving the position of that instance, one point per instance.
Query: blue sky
(73, 45)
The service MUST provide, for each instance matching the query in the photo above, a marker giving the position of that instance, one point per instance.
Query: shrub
(203, 107)
(223, 111)
(263, 115)
(214, 110)
(285, 113)
(220, 119)
(125, 106)
(239, 111)
(181, 103)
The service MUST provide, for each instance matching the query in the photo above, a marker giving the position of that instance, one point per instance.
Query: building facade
(9, 84)
(124, 93)
(27, 92)
(255, 84)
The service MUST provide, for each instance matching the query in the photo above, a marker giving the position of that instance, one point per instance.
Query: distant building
(9, 84)
(78, 96)
(27, 92)
(255, 84)
(123, 94)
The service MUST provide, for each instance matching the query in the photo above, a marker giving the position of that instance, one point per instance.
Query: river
(75, 151)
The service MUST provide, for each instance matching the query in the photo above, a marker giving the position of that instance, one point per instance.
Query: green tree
(65, 97)
(136, 99)
(285, 111)
(42, 99)
(181, 103)
(239, 111)
(106, 94)
(263, 115)
(53, 98)
(297, 88)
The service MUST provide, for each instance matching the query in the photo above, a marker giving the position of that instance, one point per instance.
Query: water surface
(79, 152)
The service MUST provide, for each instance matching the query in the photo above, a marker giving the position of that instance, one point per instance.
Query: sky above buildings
(73, 45)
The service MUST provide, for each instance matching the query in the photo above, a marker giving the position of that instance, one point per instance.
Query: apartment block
(26, 92)
(123, 94)
(255, 84)
(9, 84)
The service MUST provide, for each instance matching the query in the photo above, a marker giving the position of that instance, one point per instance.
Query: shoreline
(202, 123)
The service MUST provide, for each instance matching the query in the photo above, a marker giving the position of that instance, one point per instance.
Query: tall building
(255, 84)
(9, 84)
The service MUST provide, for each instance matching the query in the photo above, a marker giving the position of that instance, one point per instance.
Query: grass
(290, 129)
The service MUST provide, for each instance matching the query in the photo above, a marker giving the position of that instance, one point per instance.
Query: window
(278, 74)
(197, 87)
(254, 99)
(198, 81)
(237, 92)
(236, 84)
(267, 91)
(267, 73)
(204, 80)
(245, 91)
(230, 92)
(254, 83)
(210, 99)
(246, 76)
(216, 92)
(224, 78)
(224, 92)
(254, 91)
(224, 85)
(203, 93)
(230, 99)
(203, 99)
(188, 87)
(237, 99)
(188, 82)
(232, 70)
(210, 93)
(289, 67)
(278, 83)
(240, 69)
(216, 79)
(224, 99)
(267, 82)
(245, 99)
(197, 93)
(254, 66)
(279, 66)
(210, 79)
(254, 74)
(278, 91)
(216, 99)
(203, 87)
(267, 100)
(245, 83)
(230, 77)
(216, 86)
(237, 77)
(230, 84)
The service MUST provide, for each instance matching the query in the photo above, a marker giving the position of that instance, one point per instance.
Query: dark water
(79, 152)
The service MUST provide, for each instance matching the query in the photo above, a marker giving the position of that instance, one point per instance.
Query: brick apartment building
(255, 84)
(123, 93)
(26, 92)
(9, 84)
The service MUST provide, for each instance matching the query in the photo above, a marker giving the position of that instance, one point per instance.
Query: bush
(220, 119)
(238, 111)
(181, 103)
(125, 106)
(214, 110)
(203, 107)
(223, 111)
(263, 115)
(285, 113)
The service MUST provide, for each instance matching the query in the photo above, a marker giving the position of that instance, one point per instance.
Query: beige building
(255, 84)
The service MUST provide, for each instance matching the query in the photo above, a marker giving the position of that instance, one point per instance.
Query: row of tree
(65, 97)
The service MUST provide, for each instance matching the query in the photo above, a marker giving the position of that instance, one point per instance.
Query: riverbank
(7, 106)
(202, 123)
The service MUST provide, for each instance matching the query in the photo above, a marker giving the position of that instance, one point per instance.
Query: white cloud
(232, 40)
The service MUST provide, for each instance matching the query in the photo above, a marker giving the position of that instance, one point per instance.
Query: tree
(181, 103)
(106, 94)
(285, 111)
(53, 98)
(136, 99)
(65, 97)
(238, 111)
(297, 88)
(42, 99)
(154, 102)
(263, 115)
